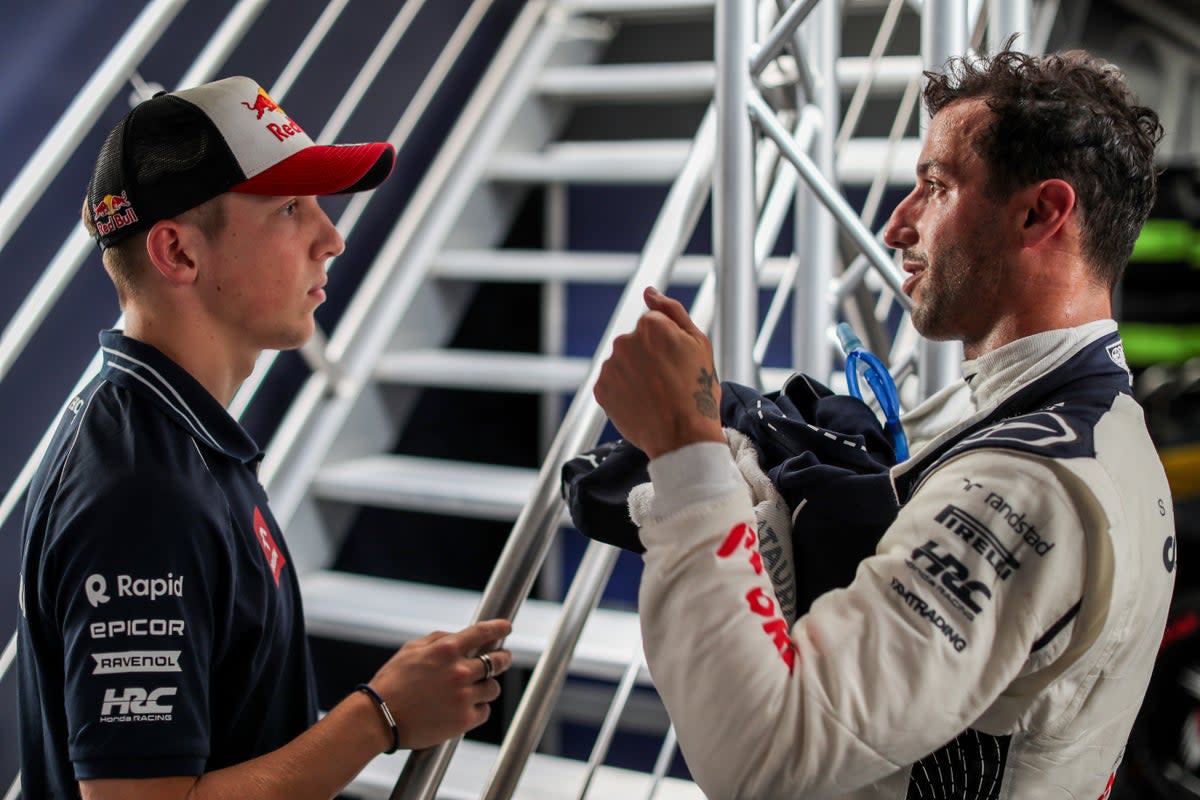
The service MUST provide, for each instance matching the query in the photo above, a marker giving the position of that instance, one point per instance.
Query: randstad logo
(96, 587)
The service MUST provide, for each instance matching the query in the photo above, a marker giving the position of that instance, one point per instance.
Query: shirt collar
(145, 371)
(998, 373)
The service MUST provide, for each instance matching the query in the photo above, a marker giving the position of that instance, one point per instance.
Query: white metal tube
(836, 204)
(663, 762)
(370, 70)
(945, 34)
(107, 79)
(816, 231)
(778, 37)
(1006, 17)
(733, 197)
(304, 53)
(222, 43)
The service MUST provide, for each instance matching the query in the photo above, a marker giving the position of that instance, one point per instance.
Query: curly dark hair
(1069, 116)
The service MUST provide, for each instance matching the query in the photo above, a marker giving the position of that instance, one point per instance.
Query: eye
(289, 209)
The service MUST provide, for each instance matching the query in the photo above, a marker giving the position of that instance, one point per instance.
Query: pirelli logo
(980, 538)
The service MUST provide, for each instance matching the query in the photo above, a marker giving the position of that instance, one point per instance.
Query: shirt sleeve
(133, 582)
(983, 561)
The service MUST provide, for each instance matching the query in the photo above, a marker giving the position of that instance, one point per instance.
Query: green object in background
(1164, 240)
(1147, 343)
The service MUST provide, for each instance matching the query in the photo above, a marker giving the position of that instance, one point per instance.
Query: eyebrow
(933, 165)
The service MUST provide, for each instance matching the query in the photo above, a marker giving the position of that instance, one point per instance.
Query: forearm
(316, 764)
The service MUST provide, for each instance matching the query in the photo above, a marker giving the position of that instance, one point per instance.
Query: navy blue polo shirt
(161, 630)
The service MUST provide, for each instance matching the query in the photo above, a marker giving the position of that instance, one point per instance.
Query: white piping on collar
(186, 412)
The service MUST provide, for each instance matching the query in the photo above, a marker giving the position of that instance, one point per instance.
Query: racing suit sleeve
(136, 582)
(984, 559)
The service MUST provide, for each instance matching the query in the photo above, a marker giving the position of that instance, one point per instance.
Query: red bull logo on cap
(262, 104)
(113, 211)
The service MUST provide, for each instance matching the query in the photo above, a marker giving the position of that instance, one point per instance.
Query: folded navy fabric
(826, 454)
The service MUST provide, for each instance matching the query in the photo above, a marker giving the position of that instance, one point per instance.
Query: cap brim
(325, 169)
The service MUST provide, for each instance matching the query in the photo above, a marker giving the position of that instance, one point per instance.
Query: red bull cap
(225, 136)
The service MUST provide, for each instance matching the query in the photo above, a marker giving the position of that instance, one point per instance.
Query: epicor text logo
(96, 587)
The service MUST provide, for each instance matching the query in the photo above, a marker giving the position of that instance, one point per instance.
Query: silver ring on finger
(489, 669)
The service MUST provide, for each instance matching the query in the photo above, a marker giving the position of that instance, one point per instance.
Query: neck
(217, 365)
(1043, 297)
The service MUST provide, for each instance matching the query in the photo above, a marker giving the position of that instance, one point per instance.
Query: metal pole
(91, 101)
(816, 230)
(837, 205)
(537, 703)
(733, 197)
(945, 33)
(1006, 17)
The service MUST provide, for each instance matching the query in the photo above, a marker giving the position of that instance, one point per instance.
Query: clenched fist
(659, 387)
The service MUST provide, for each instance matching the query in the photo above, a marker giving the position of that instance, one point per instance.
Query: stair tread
(695, 80)
(460, 368)
(628, 8)
(495, 370)
(659, 161)
(681, 80)
(428, 484)
(545, 778)
(597, 162)
(586, 267)
(385, 612)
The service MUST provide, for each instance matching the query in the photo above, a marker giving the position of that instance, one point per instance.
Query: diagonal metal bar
(779, 36)
(46, 162)
(836, 204)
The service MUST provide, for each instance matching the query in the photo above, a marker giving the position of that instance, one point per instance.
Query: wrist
(387, 724)
(686, 433)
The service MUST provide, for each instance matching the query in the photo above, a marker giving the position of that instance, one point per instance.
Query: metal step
(694, 80)
(642, 8)
(387, 613)
(544, 265)
(659, 162)
(625, 83)
(483, 369)
(545, 778)
(433, 485)
(629, 162)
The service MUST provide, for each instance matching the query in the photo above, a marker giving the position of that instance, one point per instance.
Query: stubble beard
(948, 290)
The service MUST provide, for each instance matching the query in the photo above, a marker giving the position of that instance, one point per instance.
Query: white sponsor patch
(136, 661)
(135, 704)
(96, 588)
(111, 629)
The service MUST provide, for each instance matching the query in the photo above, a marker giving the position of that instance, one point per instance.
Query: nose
(328, 243)
(899, 232)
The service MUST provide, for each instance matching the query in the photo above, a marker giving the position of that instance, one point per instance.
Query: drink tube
(861, 363)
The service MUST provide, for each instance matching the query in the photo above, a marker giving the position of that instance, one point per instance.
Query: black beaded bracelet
(387, 715)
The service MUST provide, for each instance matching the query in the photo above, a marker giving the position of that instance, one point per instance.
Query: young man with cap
(162, 651)
(999, 641)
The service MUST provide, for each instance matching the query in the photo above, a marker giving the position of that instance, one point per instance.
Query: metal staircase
(519, 134)
(333, 447)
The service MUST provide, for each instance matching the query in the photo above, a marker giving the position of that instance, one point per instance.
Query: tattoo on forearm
(706, 403)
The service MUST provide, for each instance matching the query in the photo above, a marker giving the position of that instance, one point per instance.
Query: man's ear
(1049, 204)
(170, 248)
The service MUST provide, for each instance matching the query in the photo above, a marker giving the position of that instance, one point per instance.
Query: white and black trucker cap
(175, 151)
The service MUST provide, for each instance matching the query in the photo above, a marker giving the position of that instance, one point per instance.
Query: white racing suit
(997, 645)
